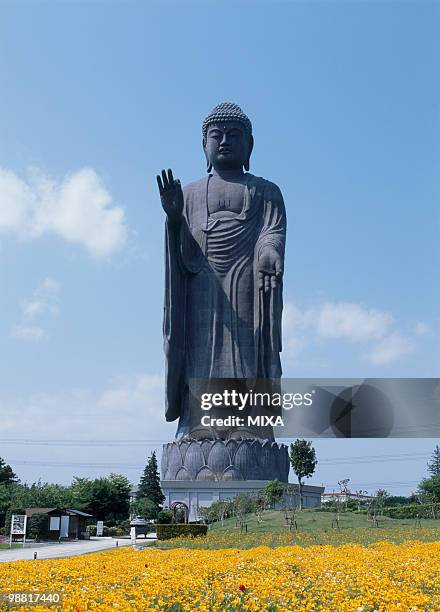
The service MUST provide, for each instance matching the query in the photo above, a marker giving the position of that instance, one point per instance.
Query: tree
(107, 498)
(243, 505)
(7, 475)
(121, 489)
(430, 487)
(217, 511)
(145, 508)
(273, 492)
(303, 460)
(289, 505)
(47, 495)
(101, 498)
(149, 485)
(80, 492)
(360, 493)
(5, 501)
(381, 498)
(434, 464)
(345, 491)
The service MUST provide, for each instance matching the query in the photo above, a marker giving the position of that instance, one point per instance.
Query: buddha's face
(227, 145)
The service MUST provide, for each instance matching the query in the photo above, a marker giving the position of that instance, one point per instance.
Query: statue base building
(199, 472)
(225, 460)
(202, 493)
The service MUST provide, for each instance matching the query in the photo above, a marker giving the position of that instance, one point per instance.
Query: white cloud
(16, 199)
(390, 349)
(421, 329)
(42, 303)
(352, 322)
(108, 413)
(44, 299)
(30, 333)
(126, 410)
(78, 209)
(370, 330)
(295, 324)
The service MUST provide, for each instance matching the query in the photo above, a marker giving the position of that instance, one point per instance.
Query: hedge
(113, 532)
(174, 530)
(410, 511)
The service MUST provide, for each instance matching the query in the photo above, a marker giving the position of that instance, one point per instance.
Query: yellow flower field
(381, 576)
(304, 537)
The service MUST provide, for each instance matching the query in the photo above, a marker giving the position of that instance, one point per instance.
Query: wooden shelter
(63, 523)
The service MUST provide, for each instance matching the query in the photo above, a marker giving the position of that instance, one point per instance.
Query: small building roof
(78, 512)
(31, 511)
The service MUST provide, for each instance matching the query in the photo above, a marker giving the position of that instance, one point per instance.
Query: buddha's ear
(208, 163)
(248, 159)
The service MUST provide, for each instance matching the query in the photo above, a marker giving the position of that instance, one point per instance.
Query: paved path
(65, 549)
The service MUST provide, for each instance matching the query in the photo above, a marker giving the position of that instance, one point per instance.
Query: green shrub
(108, 531)
(217, 511)
(411, 511)
(38, 526)
(124, 525)
(164, 517)
(174, 530)
(114, 531)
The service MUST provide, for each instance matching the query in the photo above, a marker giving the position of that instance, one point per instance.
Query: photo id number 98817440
(16, 599)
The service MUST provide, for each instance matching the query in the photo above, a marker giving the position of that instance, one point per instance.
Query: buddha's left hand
(270, 268)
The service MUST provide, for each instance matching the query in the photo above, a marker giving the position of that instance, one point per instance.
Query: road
(64, 549)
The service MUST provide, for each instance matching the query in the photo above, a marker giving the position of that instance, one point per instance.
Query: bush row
(411, 511)
(108, 531)
(174, 530)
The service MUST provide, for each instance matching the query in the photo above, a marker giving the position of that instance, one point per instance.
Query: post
(24, 530)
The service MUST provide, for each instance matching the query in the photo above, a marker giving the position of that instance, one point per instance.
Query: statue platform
(225, 460)
(198, 493)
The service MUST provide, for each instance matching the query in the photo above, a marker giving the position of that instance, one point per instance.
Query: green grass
(15, 545)
(273, 521)
(313, 529)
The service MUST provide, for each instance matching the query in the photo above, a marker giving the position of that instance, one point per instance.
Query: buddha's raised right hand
(171, 195)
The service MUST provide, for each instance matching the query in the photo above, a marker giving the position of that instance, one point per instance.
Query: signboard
(18, 524)
(99, 528)
(18, 527)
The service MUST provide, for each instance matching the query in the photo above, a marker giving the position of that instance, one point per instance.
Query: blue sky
(96, 97)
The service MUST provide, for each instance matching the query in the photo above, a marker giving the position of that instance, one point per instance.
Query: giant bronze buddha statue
(224, 258)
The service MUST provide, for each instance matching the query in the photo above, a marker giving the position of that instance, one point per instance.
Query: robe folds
(217, 322)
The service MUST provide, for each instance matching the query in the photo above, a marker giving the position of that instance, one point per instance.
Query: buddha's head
(227, 138)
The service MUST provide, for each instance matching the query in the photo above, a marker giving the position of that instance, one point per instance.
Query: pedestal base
(196, 494)
(221, 460)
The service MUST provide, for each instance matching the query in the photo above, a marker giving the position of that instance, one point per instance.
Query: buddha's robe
(217, 322)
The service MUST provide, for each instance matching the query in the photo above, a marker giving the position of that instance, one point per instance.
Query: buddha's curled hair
(227, 111)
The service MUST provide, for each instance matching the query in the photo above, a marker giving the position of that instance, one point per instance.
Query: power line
(73, 442)
(389, 485)
(147, 442)
(127, 466)
(136, 466)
